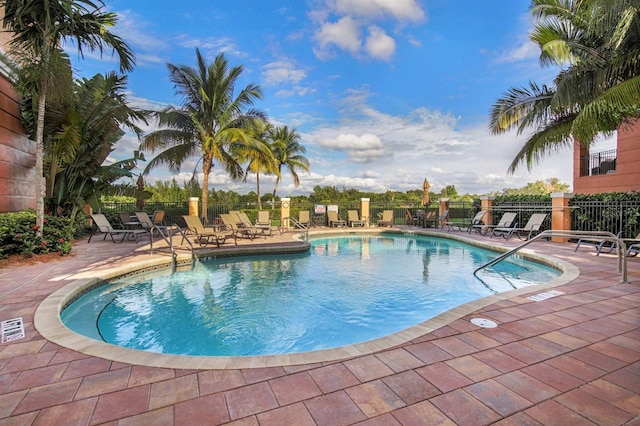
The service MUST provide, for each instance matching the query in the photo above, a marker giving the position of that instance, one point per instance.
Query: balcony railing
(600, 163)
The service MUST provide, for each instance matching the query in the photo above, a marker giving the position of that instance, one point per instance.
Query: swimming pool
(347, 289)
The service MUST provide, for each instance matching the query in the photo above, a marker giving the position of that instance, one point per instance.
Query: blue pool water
(345, 290)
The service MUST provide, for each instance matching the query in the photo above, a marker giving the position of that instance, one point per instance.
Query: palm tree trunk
(273, 196)
(39, 159)
(258, 189)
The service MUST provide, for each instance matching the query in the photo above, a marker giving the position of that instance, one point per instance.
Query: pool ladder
(607, 236)
(169, 241)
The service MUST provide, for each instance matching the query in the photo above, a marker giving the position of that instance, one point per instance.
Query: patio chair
(126, 222)
(232, 224)
(204, 236)
(442, 219)
(531, 228)
(147, 223)
(420, 219)
(466, 223)
(633, 249)
(245, 223)
(334, 220)
(263, 221)
(102, 225)
(506, 221)
(601, 245)
(387, 218)
(430, 219)
(353, 219)
(304, 218)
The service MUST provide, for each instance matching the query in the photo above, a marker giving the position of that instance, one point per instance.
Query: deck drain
(545, 295)
(483, 322)
(12, 329)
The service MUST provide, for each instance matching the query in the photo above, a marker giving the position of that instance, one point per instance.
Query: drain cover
(483, 322)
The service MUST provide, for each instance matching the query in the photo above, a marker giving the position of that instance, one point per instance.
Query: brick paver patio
(567, 360)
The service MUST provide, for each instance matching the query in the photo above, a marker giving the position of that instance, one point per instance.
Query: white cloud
(525, 50)
(345, 34)
(282, 72)
(401, 10)
(379, 45)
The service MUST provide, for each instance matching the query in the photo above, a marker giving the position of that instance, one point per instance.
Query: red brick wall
(17, 155)
(627, 175)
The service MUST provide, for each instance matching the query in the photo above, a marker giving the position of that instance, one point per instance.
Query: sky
(384, 93)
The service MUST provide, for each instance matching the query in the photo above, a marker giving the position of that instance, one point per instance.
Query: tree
(211, 123)
(38, 29)
(596, 45)
(81, 133)
(260, 159)
(288, 152)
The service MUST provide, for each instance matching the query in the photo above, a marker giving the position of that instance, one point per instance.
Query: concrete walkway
(568, 360)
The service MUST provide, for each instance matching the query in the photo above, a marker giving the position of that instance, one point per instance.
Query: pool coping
(48, 323)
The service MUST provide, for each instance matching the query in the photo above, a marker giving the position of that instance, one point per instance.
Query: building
(616, 170)
(17, 152)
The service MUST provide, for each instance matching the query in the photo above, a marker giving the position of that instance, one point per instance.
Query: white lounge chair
(102, 225)
(531, 228)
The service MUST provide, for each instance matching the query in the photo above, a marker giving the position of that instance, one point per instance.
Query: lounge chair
(263, 221)
(334, 220)
(204, 235)
(633, 249)
(506, 221)
(126, 222)
(430, 219)
(245, 222)
(102, 225)
(232, 223)
(353, 219)
(420, 219)
(304, 218)
(531, 228)
(466, 223)
(601, 245)
(442, 219)
(147, 223)
(387, 218)
(158, 217)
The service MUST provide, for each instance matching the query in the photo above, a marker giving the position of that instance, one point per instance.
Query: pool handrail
(169, 241)
(604, 235)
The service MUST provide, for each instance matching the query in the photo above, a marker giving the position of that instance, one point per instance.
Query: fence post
(285, 212)
(193, 206)
(364, 210)
(560, 214)
(443, 204)
(486, 203)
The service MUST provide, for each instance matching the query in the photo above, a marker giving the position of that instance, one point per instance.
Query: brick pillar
(443, 204)
(364, 210)
(560, 214)
(285, 212)
(486, 203)
(193, 206)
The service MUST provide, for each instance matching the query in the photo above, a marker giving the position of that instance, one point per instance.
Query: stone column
(364, 210)
(560, 214)
(486, 203)
(193, 206)
(285, 212)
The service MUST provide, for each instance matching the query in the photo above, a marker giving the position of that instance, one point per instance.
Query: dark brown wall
(627, 175)
(17, 155)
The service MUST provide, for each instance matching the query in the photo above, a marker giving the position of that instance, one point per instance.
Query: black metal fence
(612, 216)
(599, 163)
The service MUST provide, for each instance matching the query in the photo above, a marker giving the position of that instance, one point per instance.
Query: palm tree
(38, 28)
(595, 42)
(81, 133)
(259, 156)
(287, 150)
(211, 122)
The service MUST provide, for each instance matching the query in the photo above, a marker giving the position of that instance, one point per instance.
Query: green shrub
(18, 234)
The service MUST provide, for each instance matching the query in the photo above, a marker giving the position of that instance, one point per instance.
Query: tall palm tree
(288, 152)
(596, 45)
(38, 29)
(259, 156)
(210, 123)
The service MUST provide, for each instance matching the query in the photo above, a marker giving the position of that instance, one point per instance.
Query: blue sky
(384, 93)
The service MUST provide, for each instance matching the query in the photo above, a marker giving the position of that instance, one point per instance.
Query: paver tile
(552, 376)
(399, 360)
(625, 378)
(499, 398)
(615, 351)
(206, 410)
(428, 352)
(499, 360)
(374, 398)
(160, 417)
(595, 409)
(368, 368)
(124, 403)
(294, 388)
(523, 353)
(86, 367)
(552, 413)
(255, 375)
(597, 359)
(9, 402)
(172, 391)
(334, 409)
(464, 409)
(48, 396)
(454, 346)
(98, 384)
(478, 340)
(333, 377)
(518, 419)
(287, 415)
(37, 377)
(576, 367)
(249, 400)
(411, 387)
(142, 375)
(473, 368)
(615, 395)
(527, 386)
(415, 415)
(212, 381)
(444, 377)
(73, 413)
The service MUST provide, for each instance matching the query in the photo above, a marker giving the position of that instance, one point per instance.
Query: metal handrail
(600, 235)
(169, 241)
(299, 225)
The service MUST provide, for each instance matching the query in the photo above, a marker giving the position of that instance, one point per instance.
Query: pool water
(344, 291)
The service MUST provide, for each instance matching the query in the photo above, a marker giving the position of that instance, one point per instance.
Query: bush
(18, 234)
